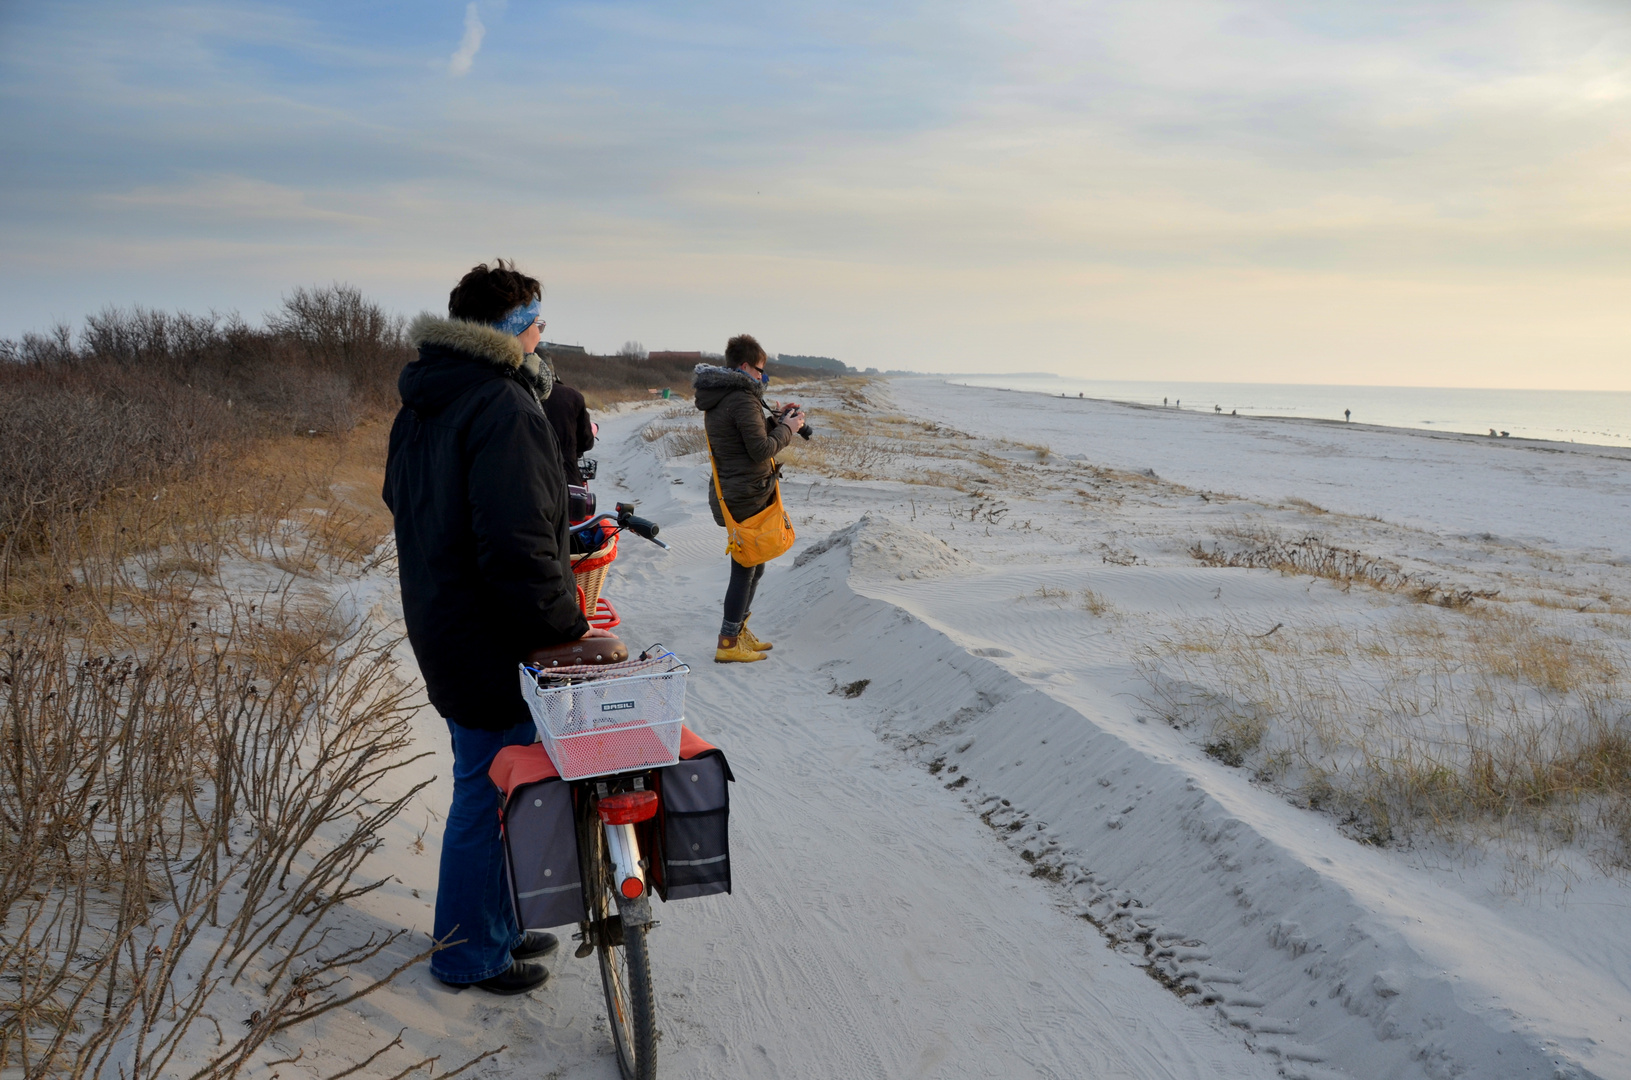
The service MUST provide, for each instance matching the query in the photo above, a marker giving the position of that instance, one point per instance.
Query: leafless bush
(69, 436)
(145, 395)
(186, 804)
(347, 335)
(51, 348)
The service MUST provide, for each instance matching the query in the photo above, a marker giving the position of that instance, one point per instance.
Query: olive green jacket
(744, 441)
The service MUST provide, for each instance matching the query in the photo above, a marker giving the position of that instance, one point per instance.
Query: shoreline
(1609, 450)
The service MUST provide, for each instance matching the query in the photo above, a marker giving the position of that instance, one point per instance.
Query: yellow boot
(735, 650)
(752, 642)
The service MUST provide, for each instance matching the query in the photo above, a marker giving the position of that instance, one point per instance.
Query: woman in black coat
(744, 443)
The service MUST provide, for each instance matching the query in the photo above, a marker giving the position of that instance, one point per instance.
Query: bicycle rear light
(632, 888)
(627, 808)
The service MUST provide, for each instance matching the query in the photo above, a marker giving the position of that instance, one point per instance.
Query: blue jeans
(473, 905)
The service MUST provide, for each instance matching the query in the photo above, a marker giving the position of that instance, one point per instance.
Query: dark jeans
(739, 596)
(472, 896)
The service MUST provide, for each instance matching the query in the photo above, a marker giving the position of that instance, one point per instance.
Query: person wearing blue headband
(473, 478)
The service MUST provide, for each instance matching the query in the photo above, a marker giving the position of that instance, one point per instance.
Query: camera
(580, 503)
(804, 432)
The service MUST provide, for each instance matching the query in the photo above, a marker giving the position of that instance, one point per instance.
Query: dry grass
(676, 439)
(1096, 605)
(1455, 725)
(1057, 596)
(1312, 555)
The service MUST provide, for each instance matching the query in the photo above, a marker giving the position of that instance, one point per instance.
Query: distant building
(658, 356)
(550, 346)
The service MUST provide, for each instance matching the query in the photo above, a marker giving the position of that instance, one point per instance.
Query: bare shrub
(346, 335)
(187, 802)
(193, 779)
(147, 396)
(67, 437)
(54, 347)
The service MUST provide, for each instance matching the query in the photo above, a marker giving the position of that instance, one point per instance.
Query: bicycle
(610, 737)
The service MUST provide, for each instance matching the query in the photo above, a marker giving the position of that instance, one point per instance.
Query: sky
(1390, 193)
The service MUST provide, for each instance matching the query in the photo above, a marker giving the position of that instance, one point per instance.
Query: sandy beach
(1036, 783)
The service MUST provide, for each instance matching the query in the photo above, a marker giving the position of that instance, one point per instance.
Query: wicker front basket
(589, 570)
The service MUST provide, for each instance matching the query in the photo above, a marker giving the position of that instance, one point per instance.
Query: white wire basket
(608, 719)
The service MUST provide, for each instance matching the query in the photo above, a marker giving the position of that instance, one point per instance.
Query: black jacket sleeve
(586, 429)
(518, 511)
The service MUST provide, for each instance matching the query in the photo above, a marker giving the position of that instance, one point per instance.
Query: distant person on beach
(743, 443)
(1347, 415)
(474, 479)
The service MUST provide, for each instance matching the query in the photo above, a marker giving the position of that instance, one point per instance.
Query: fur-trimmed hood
(429, 383)
(713, 382)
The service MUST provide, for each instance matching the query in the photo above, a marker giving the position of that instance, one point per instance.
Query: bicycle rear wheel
(625, 970)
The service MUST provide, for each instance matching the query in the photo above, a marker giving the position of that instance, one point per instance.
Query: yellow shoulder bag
(760, 538)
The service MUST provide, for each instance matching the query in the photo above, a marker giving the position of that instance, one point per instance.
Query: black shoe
(536, 943)
(520, 978)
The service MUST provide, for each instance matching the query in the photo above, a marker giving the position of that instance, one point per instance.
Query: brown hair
(744, 349)
(487, 293)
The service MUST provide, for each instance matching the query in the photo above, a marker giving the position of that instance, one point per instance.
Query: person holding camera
(743, 443)
(474, 480)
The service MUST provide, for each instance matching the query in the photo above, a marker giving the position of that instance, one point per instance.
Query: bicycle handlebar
(641, 526)
(623, 519)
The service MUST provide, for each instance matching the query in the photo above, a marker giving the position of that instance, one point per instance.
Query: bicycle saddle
(596, 650)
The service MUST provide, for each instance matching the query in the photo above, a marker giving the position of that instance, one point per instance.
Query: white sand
(885, 924)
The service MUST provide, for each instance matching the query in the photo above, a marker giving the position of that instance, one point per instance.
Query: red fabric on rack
(518, 765)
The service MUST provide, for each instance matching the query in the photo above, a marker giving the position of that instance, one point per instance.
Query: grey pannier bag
(541, 852)
(695, 819)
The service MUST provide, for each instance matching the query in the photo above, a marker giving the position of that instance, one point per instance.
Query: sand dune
(973, 863)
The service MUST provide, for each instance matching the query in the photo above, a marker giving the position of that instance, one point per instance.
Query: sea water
(1578, 416)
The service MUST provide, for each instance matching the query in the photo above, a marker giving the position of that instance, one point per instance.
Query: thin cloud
(474, 31)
